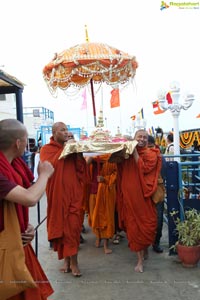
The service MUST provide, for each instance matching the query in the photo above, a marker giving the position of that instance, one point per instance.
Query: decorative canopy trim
(99, 62)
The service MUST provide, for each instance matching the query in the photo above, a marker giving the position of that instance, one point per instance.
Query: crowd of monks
(99, 185)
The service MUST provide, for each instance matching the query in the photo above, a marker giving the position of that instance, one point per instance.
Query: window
(2, 97)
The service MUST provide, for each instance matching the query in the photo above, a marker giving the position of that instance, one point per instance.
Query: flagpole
(93, 103)
(87, 119)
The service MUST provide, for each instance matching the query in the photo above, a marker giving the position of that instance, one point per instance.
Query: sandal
(116, 239)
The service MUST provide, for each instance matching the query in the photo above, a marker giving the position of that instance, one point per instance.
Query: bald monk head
(141, 136)
(13, 137)
(60, 132)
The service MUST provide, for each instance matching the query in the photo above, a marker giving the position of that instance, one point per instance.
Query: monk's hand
(88, 159)
(46, 168)
(28, 235)
(72, 140)
(135, 155)
(100, 178)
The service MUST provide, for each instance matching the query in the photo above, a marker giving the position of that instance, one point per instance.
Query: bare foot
(97, 243)
(75, 271)
(74, 266)
(66, 267)
(139, 266)
(105, 245)
(107, 251)
(65, 270)
(139, 269)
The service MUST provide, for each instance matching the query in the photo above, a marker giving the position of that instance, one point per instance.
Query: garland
(187, 139)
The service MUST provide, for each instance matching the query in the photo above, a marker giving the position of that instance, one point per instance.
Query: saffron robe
(103, 197)
(64, 191)
(137, 182)
(18, 173)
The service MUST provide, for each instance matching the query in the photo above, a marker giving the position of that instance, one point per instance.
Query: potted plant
(188, 232)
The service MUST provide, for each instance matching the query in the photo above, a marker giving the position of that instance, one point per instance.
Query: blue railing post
(172, 188)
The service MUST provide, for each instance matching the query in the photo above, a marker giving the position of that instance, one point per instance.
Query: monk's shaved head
(56, 126)
(10, 131)
(140, 131)
(60, 132)
(141, 136)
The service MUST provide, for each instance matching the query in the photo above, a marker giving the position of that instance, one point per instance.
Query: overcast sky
(165, 43)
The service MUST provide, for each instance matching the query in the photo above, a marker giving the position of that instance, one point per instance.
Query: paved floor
(112, 277)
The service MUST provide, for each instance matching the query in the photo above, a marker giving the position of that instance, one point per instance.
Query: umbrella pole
(93, 103)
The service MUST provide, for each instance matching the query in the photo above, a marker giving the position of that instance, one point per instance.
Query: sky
(165, 43)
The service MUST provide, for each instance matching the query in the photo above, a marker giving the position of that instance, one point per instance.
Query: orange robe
(19, 173)
(138, 181)
(64, 199)
(44, 289)
(102, 204)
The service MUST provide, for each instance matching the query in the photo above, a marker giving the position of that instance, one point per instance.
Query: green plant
(188, 229)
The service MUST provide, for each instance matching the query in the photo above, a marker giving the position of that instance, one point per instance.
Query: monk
(138, 181)
(102, 200)
(64, 199)
(16, 186)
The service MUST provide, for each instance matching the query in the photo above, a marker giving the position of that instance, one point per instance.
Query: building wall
(7, 106)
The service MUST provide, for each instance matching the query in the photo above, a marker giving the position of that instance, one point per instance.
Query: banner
(156, 108)
(141, 114)
(133, 117)
(169, 98)
(84, 103)
(115, 100)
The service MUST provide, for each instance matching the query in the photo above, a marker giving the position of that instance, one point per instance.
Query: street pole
(175, 109)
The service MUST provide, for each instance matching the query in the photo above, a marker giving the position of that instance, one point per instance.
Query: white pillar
(175, 116)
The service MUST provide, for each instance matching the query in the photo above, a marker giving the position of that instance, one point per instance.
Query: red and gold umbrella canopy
(89, 63)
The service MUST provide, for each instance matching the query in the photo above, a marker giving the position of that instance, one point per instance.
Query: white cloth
(169, 151)
(36, 162)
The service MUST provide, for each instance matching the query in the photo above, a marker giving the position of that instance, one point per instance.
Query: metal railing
(182, 188)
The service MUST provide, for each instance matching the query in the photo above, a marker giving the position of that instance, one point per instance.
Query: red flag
(157, 109)
(84, 103)
(133, 117)
(169, 98)
(114, 101)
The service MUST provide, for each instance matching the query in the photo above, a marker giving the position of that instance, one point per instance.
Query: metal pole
(19, 105)
(176, 134)
(93, 103)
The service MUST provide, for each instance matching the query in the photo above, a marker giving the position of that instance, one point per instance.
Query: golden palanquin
(98, 148)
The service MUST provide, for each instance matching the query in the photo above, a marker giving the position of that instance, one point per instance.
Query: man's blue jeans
(160, 210)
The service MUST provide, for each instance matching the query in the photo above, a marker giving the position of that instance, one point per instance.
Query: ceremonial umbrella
(89, 63)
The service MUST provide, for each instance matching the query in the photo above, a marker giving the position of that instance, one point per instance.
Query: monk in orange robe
(64, 199)
(137, 182)
(16, 186)
(102, 199)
